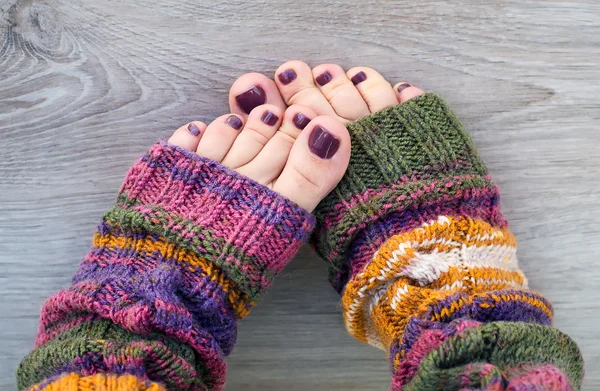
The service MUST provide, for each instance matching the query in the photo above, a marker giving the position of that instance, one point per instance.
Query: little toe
(340, 92)
(270, 161)
(252, 90)
(261, 125)
(188, 136)
(317, 162)
(405, 92)
(372, 86)
(219, 137)
(296, 85)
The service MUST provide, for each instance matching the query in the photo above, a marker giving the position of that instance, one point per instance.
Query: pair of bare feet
(289, 134)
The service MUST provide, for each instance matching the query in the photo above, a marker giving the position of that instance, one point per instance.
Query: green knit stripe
(420, 136)
(215, 249)
(502, 344)
(97, 340)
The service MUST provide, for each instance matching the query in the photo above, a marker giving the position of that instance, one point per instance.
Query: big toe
(317, 162)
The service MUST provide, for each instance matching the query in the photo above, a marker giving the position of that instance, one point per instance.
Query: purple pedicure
(324, 78)
(322, 143)
(287, 76)
(269, 118)
(403, 86)
(252, 98)
(194, 129)
(300, 120)
(359, 78)
(234, 122)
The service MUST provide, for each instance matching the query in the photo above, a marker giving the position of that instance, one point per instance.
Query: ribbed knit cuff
(187, 250)
(409, 164)
(243, 227)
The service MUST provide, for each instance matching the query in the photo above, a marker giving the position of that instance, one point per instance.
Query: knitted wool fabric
(188, 249)
(426, 265)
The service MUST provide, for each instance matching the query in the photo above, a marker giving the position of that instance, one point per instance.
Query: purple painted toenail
(287, 76)
(359, 78)
(300, 120)
(269, 118)
(322, 143)
(234, 122)
(252, 98)
(324, 78)
(194, 129)
(403, 86)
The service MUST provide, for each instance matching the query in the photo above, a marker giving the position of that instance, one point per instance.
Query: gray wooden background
(87, 85)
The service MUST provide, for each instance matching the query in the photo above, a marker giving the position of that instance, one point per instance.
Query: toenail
(300, 120)
(324, 78)
(252, 98)
(194, 129)
(269, 118)
(403, 86)
(287, 76)
(359, 78)
(322, 143)
(234, 122)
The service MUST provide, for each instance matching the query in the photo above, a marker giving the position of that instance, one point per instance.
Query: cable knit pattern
(426, 265)
(188, 249)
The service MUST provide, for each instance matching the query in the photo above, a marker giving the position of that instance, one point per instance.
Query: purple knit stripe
(205, 299)
(371, 237)
(141, 311)
(129, 262)
(484, 308)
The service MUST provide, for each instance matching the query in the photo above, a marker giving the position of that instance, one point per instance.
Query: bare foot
(292, 150)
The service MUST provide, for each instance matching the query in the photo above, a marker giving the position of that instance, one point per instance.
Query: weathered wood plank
(86, 86)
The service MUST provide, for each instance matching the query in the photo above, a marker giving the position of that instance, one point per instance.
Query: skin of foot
(288, 133)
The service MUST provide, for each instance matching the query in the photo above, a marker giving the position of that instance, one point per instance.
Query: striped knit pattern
(426, 265)
(188, 249)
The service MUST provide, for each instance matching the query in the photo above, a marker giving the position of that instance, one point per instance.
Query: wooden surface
(86, 86)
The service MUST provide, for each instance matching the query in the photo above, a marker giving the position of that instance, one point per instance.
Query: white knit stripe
(426, 267)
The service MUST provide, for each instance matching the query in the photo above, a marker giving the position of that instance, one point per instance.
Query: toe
(317, 162)
(340, 92)
(189, 135)
(260, 127)
(269, 162)
(252, 90)
(219, 136)
(295, 119)
(296, 85)
(374, 89)
(405, 91)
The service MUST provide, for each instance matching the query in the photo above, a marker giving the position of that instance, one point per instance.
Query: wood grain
(86, 86)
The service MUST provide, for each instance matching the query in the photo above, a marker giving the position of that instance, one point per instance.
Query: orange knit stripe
(238, 299)
(417, 269)
(98, 382)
